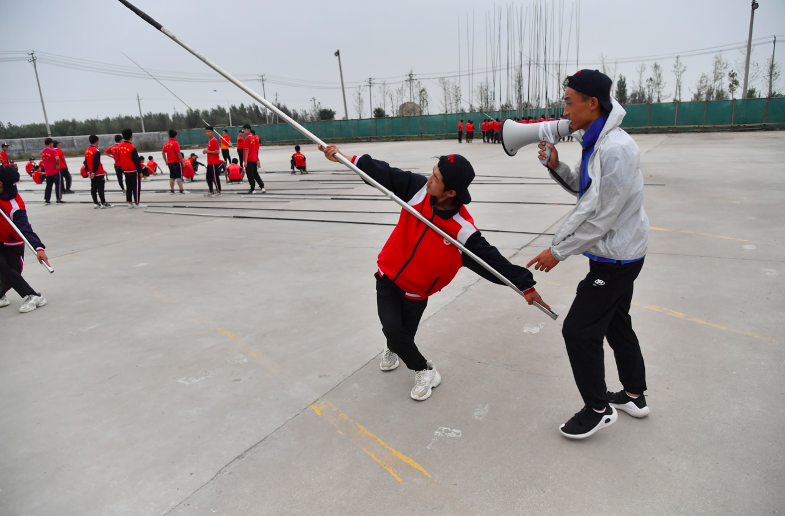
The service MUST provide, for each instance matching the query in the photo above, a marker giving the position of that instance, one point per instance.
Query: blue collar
(593, 132)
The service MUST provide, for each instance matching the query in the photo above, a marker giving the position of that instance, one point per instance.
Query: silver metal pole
(343, 90)
(753, 6)
(139, 101)
(348, 164)
(46, 119)
(13, 226)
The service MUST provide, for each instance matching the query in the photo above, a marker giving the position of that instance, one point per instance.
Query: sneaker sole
(604, 423)
(436, 381)
(631, 409)
(394, 366)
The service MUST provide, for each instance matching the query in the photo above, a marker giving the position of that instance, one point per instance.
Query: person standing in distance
(174, 160)
(65, 175)
(609, 226)
(241, 149)
(95, 171)
(252, 159)
(4, 159)
(226, 142)
(460, 131)
(213, 163)
(132, 170)
(51, 163)
(469, 131)
(114, 151)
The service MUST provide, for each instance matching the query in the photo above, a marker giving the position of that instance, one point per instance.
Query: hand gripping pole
(305, 132)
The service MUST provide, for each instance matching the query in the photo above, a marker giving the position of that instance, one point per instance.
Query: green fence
(720, 115)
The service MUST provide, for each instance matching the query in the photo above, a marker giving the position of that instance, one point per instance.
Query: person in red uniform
(241, 148)
(417, 262)
(51, 162)
(4, 160)
(12, 247)
(252, 159)
(226, 142)
(298, 160)
(484, 128)
(114, 151)
(174, 161)
(214, 170)
(188, 168)
(234, 172)
(95, 171)
(65, 175)
(30, 167)
(132, 169)
(460, 131)
(469, 132)
(153, 166)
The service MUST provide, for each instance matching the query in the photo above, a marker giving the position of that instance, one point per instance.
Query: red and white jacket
(417, 259)
(15, 210)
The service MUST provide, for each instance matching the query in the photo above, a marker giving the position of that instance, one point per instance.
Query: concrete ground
(215, 365)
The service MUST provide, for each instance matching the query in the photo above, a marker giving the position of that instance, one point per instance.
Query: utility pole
(46, 119)
(343, 90)
(753, 6)
(370, 96)
(771, 65)
(139, 101)
(410, 80)
(266, 117)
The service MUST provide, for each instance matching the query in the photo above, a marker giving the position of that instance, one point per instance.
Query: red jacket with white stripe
(417, 259)
(15, 210)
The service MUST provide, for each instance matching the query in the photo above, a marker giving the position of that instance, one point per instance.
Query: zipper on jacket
(415, 249)
(432, 285)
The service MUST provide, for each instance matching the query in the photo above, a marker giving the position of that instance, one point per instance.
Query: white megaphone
(516, 135)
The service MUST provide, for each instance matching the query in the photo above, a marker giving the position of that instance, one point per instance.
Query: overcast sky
(296, 40)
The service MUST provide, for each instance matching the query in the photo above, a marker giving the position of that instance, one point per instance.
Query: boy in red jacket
(416, 262)
(12, 247)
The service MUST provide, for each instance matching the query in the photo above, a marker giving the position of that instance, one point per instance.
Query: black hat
(48, 141)
(4, 145)
(9, 176)
(593, 83)
(457, 174)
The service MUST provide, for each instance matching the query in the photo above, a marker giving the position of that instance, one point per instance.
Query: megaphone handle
(547, 152)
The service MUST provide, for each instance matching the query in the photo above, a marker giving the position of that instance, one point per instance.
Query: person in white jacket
(609, 226)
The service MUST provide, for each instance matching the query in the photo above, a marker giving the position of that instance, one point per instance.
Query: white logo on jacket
(446, 242)
(599, 283)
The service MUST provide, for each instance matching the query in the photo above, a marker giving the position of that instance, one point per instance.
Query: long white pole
(305, 132)
(13, 226)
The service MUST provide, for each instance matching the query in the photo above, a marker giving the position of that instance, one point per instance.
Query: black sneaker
(588, 421)
(636, 407)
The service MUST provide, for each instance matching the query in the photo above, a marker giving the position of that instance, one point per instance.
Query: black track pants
(133, 186)
(601, 310)
(225, 154)
(11, 265)
(66, 178)
(240, 153)
(460, 136)
(253, 174)
(56, 181)
(214, 176)
(97, 185)
(400, 318)
(120, 177)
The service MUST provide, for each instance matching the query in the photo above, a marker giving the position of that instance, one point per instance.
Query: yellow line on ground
(390, 459)
(714, 236)
(673, 313)
(255, 355)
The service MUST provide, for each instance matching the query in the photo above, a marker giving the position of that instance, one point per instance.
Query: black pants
(460, 136)
(11, 265)
(133, 186)
(97, 185)
(490, 136)
(469, 136)
(214, 176)
(400, 318)
(120, 177)
(53, 180)
(66, 178)
(253, 174)
(240, 153)
(602, 310)
(225, 154)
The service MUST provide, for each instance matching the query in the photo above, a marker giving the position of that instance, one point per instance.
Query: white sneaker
(218, 194)
(183, 192)
(131, 206)
(32, 302)
(4, 302)
(389, 360)
(141, 206)
(107, 205)
(264, 190)
(424, 381)
(208, 194)
(97, 206)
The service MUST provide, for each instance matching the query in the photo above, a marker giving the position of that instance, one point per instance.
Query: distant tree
(678, 70)
(772, 77)
(752, 93)
(702, 89)
(733, 83)
(659, 82)
(359, 100)
(326, 114)
(447, 92)
(718, 73)
(379, 112)
(621, 90)
(384, 92)
(638, 94)
(422, 98)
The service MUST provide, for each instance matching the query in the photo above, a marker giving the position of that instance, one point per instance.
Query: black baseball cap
(593, 83)
(48, 141)
(4, 145)
(9, 176)
(457, 174)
